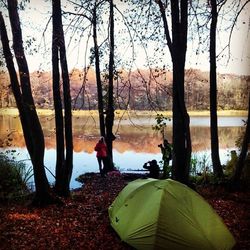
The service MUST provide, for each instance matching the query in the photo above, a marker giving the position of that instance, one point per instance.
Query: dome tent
(166, 214)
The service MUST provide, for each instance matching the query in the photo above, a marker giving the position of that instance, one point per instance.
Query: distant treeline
(139, 90)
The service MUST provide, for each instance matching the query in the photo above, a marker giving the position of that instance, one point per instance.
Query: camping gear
(166, 214)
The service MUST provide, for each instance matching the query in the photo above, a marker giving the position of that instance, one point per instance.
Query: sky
(35, 20)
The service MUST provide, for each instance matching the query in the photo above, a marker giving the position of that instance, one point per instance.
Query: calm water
(135, 144)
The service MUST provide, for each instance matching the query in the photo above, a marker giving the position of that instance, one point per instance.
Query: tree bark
(60, 156)
(217, 168)
(177, 47)
(110, 106)
(67, 119)
(98, 75)
(65, 173)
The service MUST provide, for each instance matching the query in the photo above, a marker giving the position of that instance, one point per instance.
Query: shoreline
(136, 113)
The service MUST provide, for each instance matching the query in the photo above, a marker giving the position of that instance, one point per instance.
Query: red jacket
(101, 149)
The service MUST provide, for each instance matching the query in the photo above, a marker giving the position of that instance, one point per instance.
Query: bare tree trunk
(31, 126)
(177, 47)
(98, 75)
(60, 157)
(67, 118)
(217, 168)
(110, 106)
(63, 187)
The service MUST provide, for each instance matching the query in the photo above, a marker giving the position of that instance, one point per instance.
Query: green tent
(166, 214)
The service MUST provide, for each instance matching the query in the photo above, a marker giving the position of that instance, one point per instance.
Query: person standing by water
(166, 150)
(101, 155)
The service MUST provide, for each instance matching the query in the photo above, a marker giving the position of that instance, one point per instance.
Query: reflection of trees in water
(147, 140)
(129, 138)
(227, 137)
(200, 137)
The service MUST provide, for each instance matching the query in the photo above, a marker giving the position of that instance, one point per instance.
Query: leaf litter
(83, 222)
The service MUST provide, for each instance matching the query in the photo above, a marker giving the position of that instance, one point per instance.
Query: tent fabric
(166, 214)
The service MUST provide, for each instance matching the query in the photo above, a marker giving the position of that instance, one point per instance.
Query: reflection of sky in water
(84, 162)
(133, 160)
(222, 121)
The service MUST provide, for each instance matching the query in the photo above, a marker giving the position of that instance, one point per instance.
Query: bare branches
(77, 14)
(233, 26)
(86, 69)
(129, 32)
(44, 31)
(165, 23)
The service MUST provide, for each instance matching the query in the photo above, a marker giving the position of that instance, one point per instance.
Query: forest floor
(83, 222)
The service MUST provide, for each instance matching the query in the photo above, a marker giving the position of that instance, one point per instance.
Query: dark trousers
(102, 165)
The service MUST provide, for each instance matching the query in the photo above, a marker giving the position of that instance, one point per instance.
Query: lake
(135, 144)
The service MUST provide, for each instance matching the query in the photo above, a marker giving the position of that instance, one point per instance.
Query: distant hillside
(142, 89)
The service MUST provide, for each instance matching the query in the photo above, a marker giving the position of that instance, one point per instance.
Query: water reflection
(136, 138)
(129, 138)
(135, 144)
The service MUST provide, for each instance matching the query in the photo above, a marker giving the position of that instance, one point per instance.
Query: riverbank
(83, 222)
(131, 113)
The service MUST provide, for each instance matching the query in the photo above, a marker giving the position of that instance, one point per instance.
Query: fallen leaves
(83, 222)
(234, 210)
(18, 216)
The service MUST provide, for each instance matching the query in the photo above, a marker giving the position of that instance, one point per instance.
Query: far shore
(133, 113)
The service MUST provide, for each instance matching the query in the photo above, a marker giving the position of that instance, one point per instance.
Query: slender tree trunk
(110, 107)
(31, 126)
(177, 47)
(243, 154)
(217, 168)
(65, 173)
(98, 75)
(60, 157)
(67, 118)
(181, 134)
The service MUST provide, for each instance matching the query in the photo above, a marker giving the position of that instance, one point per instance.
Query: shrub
(230, 165)
(13, 178)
